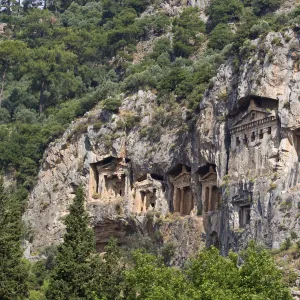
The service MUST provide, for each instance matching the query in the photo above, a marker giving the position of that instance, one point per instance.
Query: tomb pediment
(209, 176)
(115, 165)
(147, 184)
(182, 180)
(252, 115)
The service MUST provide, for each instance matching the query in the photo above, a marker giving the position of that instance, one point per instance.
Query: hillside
(179, 119)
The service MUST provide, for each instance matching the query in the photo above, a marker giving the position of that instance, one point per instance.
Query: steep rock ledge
(259, 200)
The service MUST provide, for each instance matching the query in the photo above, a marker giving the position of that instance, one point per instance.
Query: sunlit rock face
(222, 176)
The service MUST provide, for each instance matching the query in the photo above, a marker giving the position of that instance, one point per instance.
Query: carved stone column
(182, 200)
(190, 201)
(204, 204)
(102, 186)
(138, 202)
(175, 200)
(209, 198)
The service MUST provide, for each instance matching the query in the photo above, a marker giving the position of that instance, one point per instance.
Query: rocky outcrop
(257, 177)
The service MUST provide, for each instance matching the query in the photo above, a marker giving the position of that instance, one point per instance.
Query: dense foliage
(13, 270)
(58, 59)
(79, 273)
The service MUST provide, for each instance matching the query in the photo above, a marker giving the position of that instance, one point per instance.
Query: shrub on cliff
(261, 7)
(220, 37)
(223, 11)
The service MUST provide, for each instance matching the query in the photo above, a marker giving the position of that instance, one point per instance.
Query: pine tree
(73, 273)
(13, 269)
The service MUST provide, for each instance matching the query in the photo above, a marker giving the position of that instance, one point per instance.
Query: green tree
(187, 28)
(260, 277)
(72, 272)
(220, 277)
(261, 7)
(13, 269)
(49, 68)
(220, 37)
(217, 277)
(223, 11)
(12, 53)
(108, 275)
(150, 279)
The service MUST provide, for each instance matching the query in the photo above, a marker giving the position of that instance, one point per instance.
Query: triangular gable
(209, 176)
(182, 175)
(262, 112)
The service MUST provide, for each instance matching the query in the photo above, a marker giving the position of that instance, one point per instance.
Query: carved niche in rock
(211, 194)
(254, 132)
(148, 194)
(256, 123)
(183, 201)
(242, 209)
(296, 142)
(109, 178)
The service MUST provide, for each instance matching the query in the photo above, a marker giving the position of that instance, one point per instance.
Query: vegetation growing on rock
(59, 62)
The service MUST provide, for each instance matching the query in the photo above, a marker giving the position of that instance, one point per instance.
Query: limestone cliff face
(142, 155)
(245, 135)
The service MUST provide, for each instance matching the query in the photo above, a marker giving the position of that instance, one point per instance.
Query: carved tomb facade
(183, 201)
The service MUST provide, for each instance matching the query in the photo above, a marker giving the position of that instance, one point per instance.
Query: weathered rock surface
(162, 138)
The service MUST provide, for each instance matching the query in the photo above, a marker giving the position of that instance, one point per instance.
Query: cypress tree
(13, 269)
(72, 272)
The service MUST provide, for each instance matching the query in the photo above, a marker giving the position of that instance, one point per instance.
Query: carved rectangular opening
(206, 204)
(269, 130)
(245, 140)
(150, 200)
(244, 215)
(252, 116)
(115, 185)
(94, 180)
(215, 196)
(237, 141)
(261, 134)
(177, 199)
(153, 198)
(187, 204)
(253, 137)
(297, 145)
(143, 195)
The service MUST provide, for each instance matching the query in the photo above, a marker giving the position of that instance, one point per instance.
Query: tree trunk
(2, 85)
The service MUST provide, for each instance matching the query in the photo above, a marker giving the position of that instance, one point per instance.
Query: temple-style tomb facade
(148, 194)
(109, 179)
(254, 131)
(211, 195)
(183, 201)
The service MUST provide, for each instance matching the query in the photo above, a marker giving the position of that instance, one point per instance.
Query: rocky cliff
(224, 175)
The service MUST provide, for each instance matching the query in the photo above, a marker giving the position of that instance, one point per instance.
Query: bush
(220, 37)
(294, 235)
(187, 28)
(137, 81)
(162, 45)
(25, 115)
(223, 11)
(167, 252)
(4, 116)
(112, 104)
(262, 27)
(262, 7)
(286, 245)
